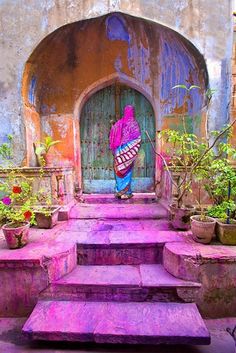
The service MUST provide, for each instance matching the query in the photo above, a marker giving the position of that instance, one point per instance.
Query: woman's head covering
(125, 129)
(129, 112)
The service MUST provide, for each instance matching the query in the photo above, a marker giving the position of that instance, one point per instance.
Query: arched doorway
(97, 116)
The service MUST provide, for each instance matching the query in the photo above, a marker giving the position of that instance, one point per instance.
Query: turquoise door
(95, 122)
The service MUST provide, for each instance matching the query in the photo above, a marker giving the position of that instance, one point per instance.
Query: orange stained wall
(78, 55)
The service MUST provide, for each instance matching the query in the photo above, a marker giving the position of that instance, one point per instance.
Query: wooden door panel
(96, 157)
(144, 168)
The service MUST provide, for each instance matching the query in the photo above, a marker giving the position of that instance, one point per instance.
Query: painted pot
(47, 220)
(180, 217)
(16, 237)
(226, 232)
(203, 231)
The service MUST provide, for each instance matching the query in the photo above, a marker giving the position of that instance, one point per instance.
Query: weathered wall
(24, 24)
(80, 55)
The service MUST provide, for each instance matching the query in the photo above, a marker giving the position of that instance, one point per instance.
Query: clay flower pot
(226, 232)
(180, 217)
(16, 237)
(47, 219)
(202, 231)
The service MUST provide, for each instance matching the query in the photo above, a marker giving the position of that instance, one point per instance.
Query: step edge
(117, 285)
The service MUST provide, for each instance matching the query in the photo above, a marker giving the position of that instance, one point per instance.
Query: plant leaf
(54, 143)
(193, 86)
(180, 86)
(39, 150)
(48, 140)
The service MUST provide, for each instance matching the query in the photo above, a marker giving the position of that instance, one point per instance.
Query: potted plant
(225, 224)
(221, 187)
(42, 148)
(187, 157)
(46, 214)
(16, 211)
(202, 227)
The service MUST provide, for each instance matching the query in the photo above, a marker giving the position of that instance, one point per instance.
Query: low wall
(214, 266)
(58, 182)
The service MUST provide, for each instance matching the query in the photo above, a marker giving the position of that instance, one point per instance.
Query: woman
(125, 141)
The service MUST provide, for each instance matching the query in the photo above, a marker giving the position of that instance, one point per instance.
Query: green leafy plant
(191, 157)
(220, 211)
(6, 153)
(42, 148)
(17, 199)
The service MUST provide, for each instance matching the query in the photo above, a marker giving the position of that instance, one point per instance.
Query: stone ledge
(27, 271)
(184, 259)
(214, 266)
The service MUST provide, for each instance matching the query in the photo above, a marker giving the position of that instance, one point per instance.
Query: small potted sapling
(221, 187)
(41, 150)
(46, 214)
(202, 225)
(225, 222)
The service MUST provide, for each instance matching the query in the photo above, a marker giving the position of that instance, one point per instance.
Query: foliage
(6, 153)
(44, 146)
(203, 159)
(185, 87)
(17, 199)
(220, 211)
(194, 158)
(218, 175)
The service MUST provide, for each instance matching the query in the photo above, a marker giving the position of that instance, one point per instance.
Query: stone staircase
(119, 291)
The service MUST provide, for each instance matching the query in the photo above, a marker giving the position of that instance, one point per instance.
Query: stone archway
(66, 68)
(95, 167)
(86, 95)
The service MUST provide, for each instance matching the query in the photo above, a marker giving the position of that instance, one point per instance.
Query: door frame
(84, 97)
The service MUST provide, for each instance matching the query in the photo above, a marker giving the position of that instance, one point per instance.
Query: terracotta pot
(16, 237)
(226, 232)
(202, 231)
(180, 217)
(47, 221)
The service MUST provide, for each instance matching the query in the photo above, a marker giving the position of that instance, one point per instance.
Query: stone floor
(12, 341)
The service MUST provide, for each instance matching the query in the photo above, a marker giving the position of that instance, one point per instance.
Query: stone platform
(135, 208)
(51, 254)
(116, 264)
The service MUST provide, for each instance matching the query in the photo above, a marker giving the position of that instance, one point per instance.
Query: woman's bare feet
(126, 196)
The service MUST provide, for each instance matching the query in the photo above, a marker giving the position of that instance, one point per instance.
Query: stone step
(112, 322)
(121, 283)
(118, 210)
(124, 247)
(138, 198)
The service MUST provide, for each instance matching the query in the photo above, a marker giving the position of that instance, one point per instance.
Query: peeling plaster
(24, 24)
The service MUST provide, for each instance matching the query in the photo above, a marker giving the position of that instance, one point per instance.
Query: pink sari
(125, 142)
